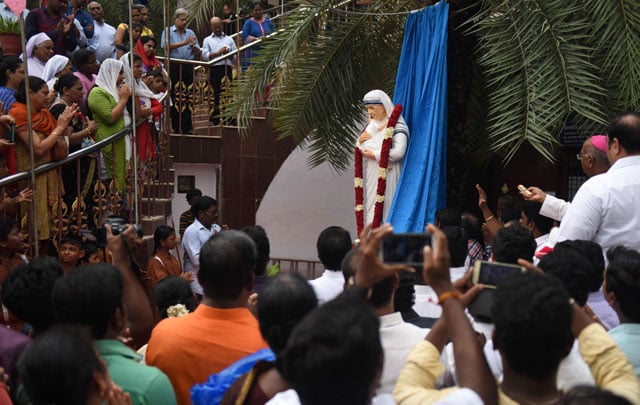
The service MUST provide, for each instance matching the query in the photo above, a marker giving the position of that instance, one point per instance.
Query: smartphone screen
(491, 274)
(405, 248)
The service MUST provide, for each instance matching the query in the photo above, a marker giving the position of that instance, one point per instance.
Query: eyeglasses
(579, 156)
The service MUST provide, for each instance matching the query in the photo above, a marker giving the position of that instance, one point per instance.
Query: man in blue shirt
(183, 44)
(77, 8)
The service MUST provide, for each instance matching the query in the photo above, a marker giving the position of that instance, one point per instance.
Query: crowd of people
(201, 322)
(209, 326)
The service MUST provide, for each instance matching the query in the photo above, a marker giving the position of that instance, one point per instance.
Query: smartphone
(404, 248)
(490, 274)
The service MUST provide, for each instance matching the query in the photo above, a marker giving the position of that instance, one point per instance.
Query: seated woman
(62, 367)
(107, 102)
(39, 50)
(49, 143)
(78, 177)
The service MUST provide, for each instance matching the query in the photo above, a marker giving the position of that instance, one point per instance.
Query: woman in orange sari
(48, 137)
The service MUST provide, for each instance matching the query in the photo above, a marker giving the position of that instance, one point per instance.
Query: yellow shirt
(609, 366)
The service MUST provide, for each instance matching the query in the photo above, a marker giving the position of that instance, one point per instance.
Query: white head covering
(54, 66)
(35, 67)
(379, 97)
(35, 41)
(142, 90)
(108, 75)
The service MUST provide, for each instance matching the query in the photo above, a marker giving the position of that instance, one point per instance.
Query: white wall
(301, 202)
(206, 181)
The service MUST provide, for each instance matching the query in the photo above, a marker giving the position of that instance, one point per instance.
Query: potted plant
(10, 36)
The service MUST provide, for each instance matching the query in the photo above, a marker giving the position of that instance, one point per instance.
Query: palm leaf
(537, 63)
(318, 70)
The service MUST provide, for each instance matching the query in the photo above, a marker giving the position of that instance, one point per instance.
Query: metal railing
(87, 209)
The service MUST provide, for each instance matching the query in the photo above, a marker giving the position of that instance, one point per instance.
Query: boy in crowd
(71, 252)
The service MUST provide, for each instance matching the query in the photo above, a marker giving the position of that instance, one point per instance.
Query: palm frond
(537, 63)
(615, 33)
(318, 70)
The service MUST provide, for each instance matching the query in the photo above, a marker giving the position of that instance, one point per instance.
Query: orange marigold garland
(382, 174)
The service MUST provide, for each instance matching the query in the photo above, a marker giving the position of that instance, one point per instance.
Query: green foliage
(8, 26)
(317, 72)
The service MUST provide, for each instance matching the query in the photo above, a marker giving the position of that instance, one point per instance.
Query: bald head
(216, 25)
(624, 136)
(96, 11)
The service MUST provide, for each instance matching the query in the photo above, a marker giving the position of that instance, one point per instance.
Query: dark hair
(140, 26)
(588, 395)
(284, 302)
(448, 217)
(194, 192)
(532, 317)
(506, 201)
(59, 366)
(625, 127)
(161, 233)
(458, 244)
(227, 261)
(623, 279)
(512, 243)
(35, 84)
(592, 252)
(11, 63)
(381, 292)
(472, 227)
(349, 264)
(173, 290)
(65, 81)
(509, 214)
(72, 240)
(405, 295)
(82, 57)
(202, 204)
(27, 291)
(259, 237)
(6, 226)
(90, 248)
(333, 244)
(146, 38)
(338, 346)
(89, 295)
(572, 269)
(531, 210)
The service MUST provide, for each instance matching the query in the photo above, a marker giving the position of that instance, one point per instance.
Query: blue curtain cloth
(421, 88)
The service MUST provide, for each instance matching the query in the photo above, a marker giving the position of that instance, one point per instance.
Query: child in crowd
(163, 264)
(11, 256)
(71, 252)
(93, 253)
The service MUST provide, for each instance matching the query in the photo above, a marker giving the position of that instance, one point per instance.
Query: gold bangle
(448, 295)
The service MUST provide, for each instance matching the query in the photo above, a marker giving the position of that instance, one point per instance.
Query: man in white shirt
(214, 46)
(605, 209)
(594, 161)
(333, 244)
(104, 34)
(205, 211)
(538, 224)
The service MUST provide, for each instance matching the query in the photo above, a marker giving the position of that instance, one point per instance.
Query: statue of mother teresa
(375, 155)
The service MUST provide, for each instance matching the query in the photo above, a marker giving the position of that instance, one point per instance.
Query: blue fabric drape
(421, 88)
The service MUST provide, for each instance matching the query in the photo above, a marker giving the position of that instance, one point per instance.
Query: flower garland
(382, 174)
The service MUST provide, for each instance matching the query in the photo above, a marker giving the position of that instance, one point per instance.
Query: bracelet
(448, 295)
(489, 219)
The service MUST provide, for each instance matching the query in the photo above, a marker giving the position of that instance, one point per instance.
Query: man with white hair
(103, 35)
(371, 144)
